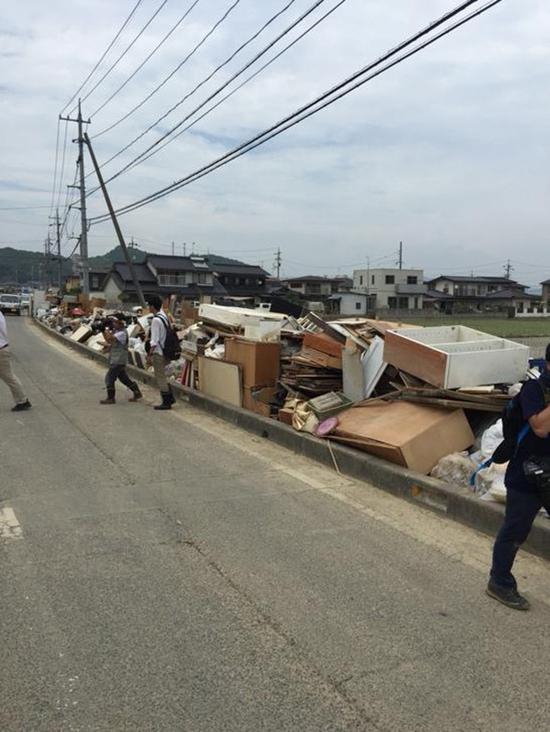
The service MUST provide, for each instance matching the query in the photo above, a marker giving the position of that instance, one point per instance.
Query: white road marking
(9, 525)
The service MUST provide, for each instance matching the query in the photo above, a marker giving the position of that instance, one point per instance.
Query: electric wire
(54, 186)
(326, 99)
(147, 58)
(130, 45)
(137, 161)
(170, 75)
(250, 63)
(111, 44)
(62, 169)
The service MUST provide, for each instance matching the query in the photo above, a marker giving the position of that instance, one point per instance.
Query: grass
(502, 327)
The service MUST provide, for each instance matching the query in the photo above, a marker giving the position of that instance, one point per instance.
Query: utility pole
(83, 219)
(173, 248)
(116, 224)
(400, 263)
(508, 269)
(184, 248)
(278, 261)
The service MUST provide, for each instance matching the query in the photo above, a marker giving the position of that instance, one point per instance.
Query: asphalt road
(167, 571)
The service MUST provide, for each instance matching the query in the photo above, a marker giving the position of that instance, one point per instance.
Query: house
(240, 280)
(349, 303)
(471, 286)
(462, 294)
(119, 286)
(312, 286)
(545, 293)
(393, 289)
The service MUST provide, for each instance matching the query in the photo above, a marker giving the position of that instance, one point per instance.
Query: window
(416, 303)
(358, 306)
(372, 280)
(95, 283)
(202, 279)
(392, 303)
(315, 288)
(403, 303)
(390, 279)
(360, 279)
(296, 285)
(412, 280)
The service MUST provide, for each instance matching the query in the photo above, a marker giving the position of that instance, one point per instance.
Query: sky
(447, 152)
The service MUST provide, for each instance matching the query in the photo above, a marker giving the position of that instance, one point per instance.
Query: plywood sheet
(220, 380)
(406, 434)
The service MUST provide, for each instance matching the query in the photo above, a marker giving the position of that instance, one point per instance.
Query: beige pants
(159, 367)
(7, 375)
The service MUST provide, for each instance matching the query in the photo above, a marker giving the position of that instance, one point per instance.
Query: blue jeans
(521, 510)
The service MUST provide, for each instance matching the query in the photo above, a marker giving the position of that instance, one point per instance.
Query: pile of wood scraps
(491, 401)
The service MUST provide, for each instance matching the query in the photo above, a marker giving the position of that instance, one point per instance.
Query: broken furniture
(455, 356)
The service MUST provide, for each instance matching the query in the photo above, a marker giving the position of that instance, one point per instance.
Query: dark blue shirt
(534, 397)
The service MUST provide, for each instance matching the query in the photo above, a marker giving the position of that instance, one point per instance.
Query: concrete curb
(454, 502)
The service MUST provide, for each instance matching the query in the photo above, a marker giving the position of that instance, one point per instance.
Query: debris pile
(417, 397)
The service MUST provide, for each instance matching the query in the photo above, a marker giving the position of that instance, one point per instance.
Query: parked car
(10, 304)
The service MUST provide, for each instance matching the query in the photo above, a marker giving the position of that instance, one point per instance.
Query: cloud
(445, 152)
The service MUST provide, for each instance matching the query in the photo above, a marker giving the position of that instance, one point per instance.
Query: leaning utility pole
(114, 219)
(83, 219)
(58, 242)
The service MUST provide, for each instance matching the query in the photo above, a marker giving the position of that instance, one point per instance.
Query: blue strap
(522, 433)
(477, 470)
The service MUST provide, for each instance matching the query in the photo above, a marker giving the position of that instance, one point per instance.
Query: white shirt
(3, 332)
(158, 332)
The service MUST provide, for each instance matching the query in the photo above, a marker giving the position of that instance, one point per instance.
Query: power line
(21, 208)
(308, 30)
(111, 44)
(287, 30)
(54, 185)
(142, 64)
(165, 81)
(131, 44)
(334, 94)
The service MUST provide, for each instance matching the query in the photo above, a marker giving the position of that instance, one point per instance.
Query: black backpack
(514, 429)
(171, 349)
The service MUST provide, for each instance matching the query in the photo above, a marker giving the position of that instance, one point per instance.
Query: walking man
(155, 357)
(117, 340)
(524, 498)
(6, 371)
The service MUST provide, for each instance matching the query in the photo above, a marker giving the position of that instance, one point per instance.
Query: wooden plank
(423, 362)
(221, 380)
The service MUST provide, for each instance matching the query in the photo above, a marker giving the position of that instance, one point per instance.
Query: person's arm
(540, 423)
(154, 339)
(535, 410)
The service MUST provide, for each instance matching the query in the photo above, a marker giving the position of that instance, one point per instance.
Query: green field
(502, 327)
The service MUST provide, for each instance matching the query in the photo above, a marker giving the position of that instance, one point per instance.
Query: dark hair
(155, 302)
(119, 316)
(547, 354)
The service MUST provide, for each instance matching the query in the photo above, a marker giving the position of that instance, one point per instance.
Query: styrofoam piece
(456, 356)
(236, 317)
(264, 330)
(373, 365)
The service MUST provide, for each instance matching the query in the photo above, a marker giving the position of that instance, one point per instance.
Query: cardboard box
(258, 402)
(411, 435)
(260, 362)
(285, 416)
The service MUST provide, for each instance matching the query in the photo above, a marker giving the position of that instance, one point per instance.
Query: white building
(394, 289)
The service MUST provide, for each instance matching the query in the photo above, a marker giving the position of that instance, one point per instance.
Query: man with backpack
(160, 350)
(527, 482)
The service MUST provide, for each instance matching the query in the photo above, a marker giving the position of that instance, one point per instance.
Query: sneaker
(22, 406)
(508, 596)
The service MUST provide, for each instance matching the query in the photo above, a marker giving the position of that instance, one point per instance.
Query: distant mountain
(19, 266)
(117, 255)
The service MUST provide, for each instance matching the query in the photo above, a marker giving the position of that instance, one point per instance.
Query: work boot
(171, 397)
(22, 406)
(136, 393)
(508, 596)
(110, 397)
(166, 401)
